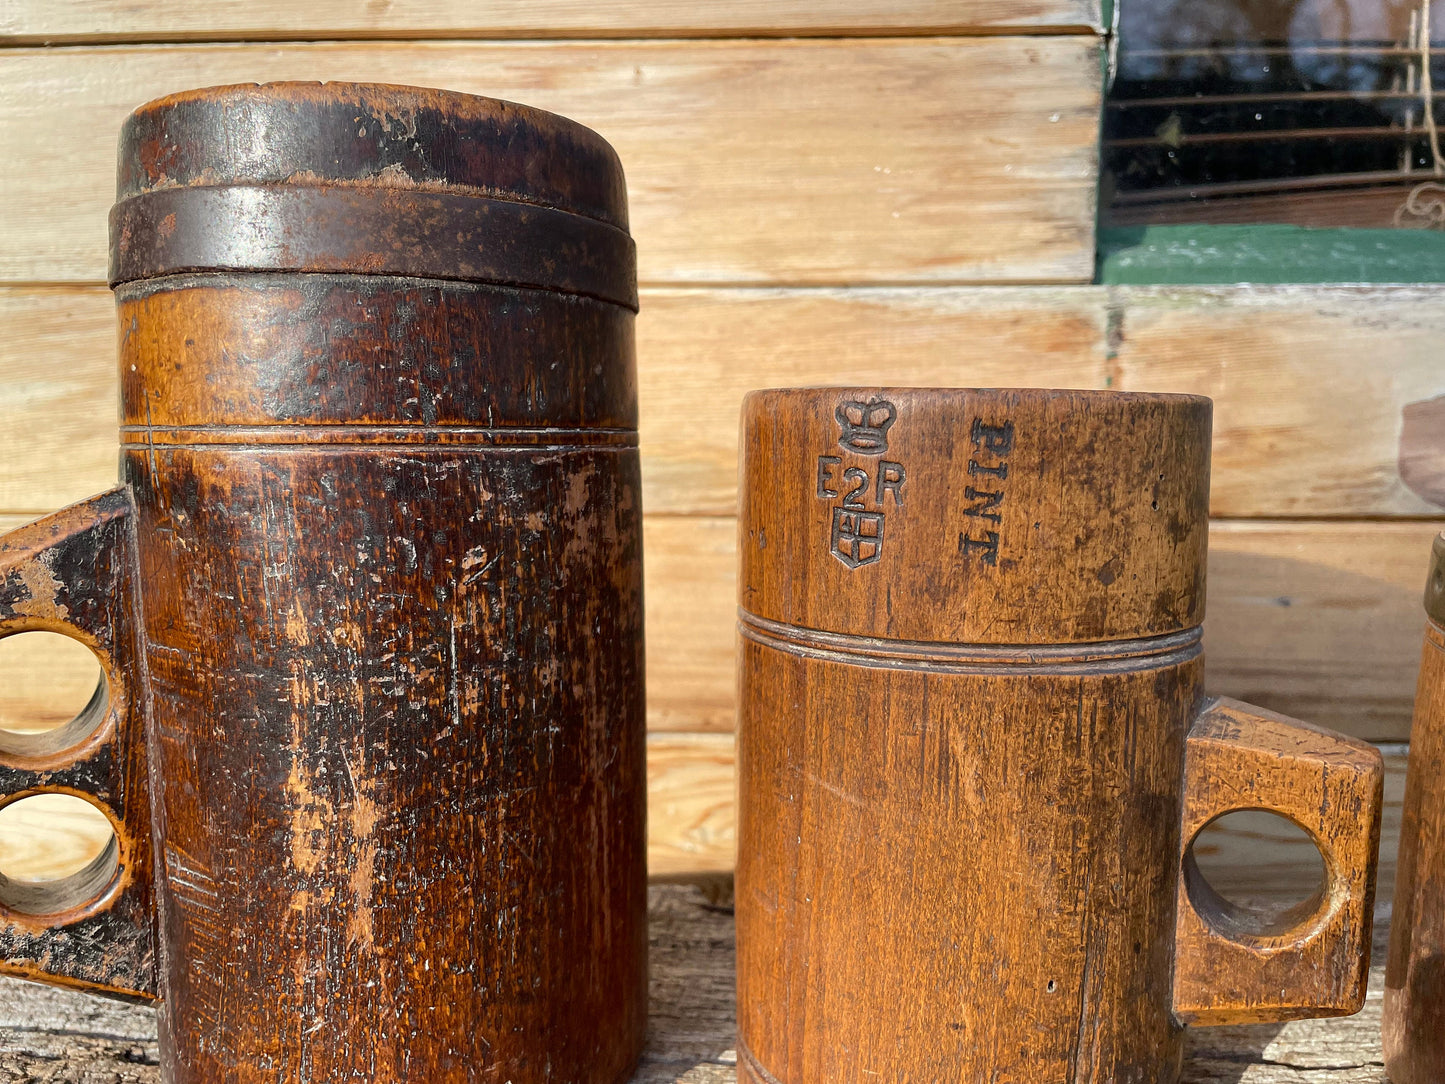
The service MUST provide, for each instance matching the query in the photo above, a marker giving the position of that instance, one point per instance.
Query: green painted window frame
(1204, 255)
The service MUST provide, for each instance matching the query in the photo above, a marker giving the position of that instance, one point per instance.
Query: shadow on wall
(1334, 644)
(1224, 1055)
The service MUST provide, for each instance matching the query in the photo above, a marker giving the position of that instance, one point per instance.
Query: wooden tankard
(368, 605)
(1415, 977)
(974, 750)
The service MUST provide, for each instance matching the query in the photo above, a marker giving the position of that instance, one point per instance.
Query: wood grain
(700, 351)
(796, 161)
(690, 809)
(1257, 857)
(1319, 620)
(47, 837)
(46, 679)
(36, 22)
(690, 804)
(692, 828)
(55, 1037)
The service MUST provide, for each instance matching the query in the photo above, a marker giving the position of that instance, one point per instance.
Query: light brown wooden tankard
(1415, 978)
(974, 750)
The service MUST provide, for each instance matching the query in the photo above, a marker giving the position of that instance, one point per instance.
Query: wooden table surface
(50, 1036)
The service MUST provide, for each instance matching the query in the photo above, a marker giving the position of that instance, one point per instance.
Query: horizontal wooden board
(49, 836)
(700, 351)
(1313, 388)
(46, 680)
(1326, 398)
(1329, 401)
(59, 397)
(691, 804)
(1320, 620)
(798, 161)
(40, 21)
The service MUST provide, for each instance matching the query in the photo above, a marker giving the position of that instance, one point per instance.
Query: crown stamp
(865, 425)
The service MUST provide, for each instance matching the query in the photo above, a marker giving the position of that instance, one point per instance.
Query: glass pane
(1307, 112)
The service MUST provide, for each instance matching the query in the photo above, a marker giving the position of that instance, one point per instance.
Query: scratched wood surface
(35, 21)
(50, 1036)
(1327, 399)
(805, 161)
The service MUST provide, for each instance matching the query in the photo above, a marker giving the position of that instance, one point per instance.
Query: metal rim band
(1144, 653)
(1435, 583)
(370, 230)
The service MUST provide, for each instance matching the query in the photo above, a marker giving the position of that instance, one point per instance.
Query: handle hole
(58, 853)
(53, 693)
(1253, 874)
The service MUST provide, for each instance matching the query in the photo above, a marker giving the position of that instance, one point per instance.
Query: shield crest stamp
(857, 537)
(866, 483)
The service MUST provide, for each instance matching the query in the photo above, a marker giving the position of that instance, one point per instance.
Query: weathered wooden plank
(699, 351)
(53, 1036)
(1325, 396)
(690, 798)
(38, 22)
(690, 587)
(777, 162)
(1308, 421)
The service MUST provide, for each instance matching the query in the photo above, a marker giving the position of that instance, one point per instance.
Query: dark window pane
(1309, 112)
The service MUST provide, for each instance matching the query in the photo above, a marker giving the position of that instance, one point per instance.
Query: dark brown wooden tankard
(974, 750)
(1415, 977)
(368, 605)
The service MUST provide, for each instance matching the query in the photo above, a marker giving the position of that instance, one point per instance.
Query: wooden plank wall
(871, 191)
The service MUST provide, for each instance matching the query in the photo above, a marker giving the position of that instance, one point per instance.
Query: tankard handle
(76, 572)
(1231, 967)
